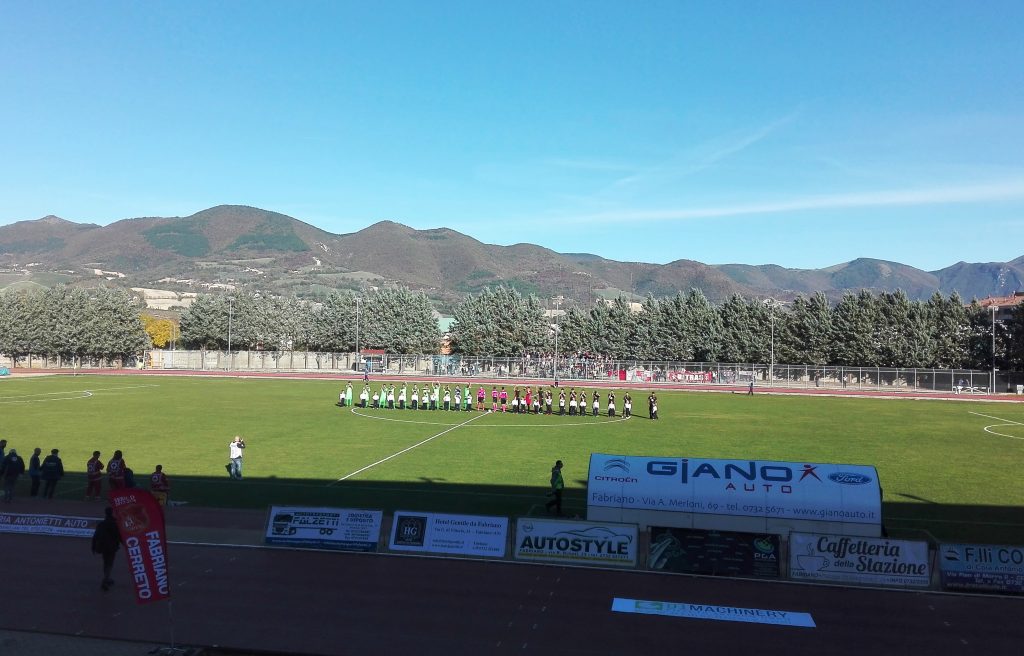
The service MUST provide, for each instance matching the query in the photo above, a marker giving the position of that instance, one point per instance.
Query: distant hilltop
(233, 246)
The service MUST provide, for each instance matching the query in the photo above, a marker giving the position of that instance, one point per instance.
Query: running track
(544, 382)
(314, 602)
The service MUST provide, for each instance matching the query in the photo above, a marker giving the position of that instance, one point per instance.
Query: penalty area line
(408, 448)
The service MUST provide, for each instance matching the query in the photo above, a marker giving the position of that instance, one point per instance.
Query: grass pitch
(944, 475)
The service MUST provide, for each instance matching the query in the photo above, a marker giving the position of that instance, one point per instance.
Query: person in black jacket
(11, 468)
(33, 472)
(52, 471)
(106, 540)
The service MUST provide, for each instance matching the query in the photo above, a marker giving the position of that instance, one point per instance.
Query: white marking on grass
(84, 394)
(1006, 422)
(67, 395)
(406, 449)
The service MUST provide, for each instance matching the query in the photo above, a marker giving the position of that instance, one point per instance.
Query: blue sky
(797, 133)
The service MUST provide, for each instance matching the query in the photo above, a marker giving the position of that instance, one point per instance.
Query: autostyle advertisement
(982, 567)
(464, 535)
(576, 542)
(140, 519)
(715, 553)
(56, 525)
(751, 488)
(342, 529)
(871, 561)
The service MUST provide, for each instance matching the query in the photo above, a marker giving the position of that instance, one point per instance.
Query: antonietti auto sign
(754, 488)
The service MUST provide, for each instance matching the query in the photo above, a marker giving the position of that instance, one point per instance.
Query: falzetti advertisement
(343, 529)
(140, 519)
(792, 491)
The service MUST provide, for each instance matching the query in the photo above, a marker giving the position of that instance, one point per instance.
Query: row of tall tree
(72, 323)
(864, 329)
(394, 319)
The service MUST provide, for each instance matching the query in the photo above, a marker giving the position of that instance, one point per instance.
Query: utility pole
(359, 360)
(231, 307)
(992, 387)
(558, 302)
(771, 302)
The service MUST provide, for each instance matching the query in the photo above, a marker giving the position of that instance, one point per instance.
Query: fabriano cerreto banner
(752, 488)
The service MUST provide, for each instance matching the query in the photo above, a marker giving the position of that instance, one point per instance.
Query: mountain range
(232, 246)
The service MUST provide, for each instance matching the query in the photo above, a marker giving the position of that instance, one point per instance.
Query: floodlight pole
(770, 302)
(558, 302)
(359, 360)
(231, 308)
(992, 387)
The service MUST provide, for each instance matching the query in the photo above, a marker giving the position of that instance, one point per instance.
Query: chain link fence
(566, 369)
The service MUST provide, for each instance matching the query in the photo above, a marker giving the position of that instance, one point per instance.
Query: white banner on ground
(59, 525)
(584, 543)
(343, 529)
(751, 488)
(467, 535)
(858, 560)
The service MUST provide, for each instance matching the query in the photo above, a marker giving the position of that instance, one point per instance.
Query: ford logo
(849, 478)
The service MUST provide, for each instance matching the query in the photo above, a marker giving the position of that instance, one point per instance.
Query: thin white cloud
(977, 193)
(701, 158)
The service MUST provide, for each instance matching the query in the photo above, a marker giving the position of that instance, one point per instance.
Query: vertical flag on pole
(143, 534)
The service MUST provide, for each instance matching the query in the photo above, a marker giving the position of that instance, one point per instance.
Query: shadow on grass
(911, 520)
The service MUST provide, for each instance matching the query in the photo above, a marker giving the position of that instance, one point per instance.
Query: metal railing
(546, 368)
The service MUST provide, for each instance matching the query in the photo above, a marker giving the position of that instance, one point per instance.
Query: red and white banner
(141, 522)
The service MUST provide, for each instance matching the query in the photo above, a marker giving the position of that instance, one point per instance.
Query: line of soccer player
(519, 401)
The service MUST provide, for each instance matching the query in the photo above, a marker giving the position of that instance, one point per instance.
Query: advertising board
(343, 529)
(466, 535)
(869, 561)
(57, 525)
(982, 567)
(751, 488)
(577, 542)
(715, 553)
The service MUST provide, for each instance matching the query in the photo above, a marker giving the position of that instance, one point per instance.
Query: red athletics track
(314, 602)
(544, 382)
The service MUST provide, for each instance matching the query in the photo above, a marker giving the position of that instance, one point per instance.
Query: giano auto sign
(756, 488)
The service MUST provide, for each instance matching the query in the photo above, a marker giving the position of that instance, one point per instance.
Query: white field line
(77, 394)
(1006, 422)
(408, 448)
(84, 394)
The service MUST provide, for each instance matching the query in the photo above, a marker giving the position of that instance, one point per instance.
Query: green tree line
(864, 329)
(72, 323)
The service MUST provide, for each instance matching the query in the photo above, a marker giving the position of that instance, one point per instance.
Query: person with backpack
(106, 540)
(52, 471)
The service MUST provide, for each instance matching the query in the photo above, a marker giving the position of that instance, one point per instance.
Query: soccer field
(949, 470)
